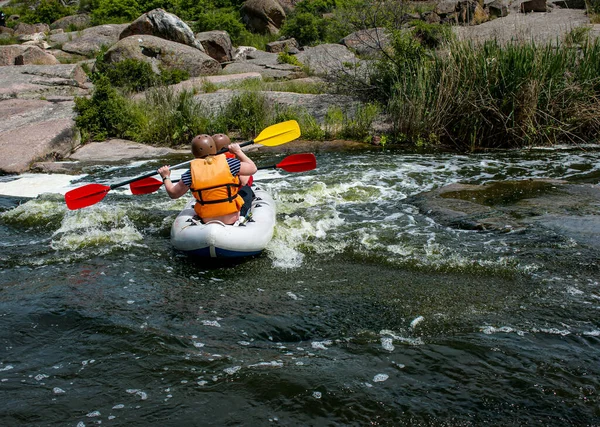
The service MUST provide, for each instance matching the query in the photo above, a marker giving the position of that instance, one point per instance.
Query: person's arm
(247, 166)
(174, 191)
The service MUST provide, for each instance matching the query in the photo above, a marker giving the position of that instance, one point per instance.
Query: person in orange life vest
(223, 141)
(213, 180)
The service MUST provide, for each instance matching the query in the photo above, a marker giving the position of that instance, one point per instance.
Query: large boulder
(89, 41)
(263, 16)
(33, 130)
(25, 55)
(217, 44)
(327, 59)
(165, 25)
(163, 53)
(72, 22)
(24, 29)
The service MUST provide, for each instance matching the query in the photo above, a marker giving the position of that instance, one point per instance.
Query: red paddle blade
(86, 196)
(145, 186)
(298, 163)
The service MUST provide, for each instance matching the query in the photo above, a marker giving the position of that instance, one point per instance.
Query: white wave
(32, 185)
(96, 226)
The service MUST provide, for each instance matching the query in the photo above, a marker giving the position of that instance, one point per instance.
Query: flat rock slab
(569, 209)
(542, 28)
(315, 105)
(197, 84)
(120, 150)
(34, 130)
(42, 81)
(582, 229)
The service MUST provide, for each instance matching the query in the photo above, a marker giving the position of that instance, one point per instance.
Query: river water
(362, 311)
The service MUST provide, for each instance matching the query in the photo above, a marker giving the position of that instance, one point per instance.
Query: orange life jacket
(214, 187)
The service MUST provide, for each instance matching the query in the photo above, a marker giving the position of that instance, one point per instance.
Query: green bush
(134, 75)
(247, 113)
(305, 27)
(224, 20)
(47, 11)
(171, 118)
(431, 36)
(8, 40)
(105, 114)
(115, 11)
(286, 58)
(316, 7)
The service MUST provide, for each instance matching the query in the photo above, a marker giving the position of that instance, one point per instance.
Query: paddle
(293, 163)
(90, 194)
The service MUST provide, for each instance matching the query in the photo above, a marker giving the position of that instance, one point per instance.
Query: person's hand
(164, 172)
(234, 148)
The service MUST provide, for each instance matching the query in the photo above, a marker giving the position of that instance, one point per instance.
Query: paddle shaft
(183, 164)
(180, 165)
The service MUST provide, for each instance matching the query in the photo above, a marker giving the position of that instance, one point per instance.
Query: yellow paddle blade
(278, 134)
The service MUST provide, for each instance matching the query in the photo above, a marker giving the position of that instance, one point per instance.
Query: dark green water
(362, 311)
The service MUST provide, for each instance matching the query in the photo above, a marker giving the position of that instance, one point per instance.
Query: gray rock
(22, 29)
(89, 41)
(165, 25)
(34, 130)
(446, 6)
(541, 28)
(118, 150)
(37, 81)
(32, 37)
(327, 59)
(263, 16)
(507, 205)
(198, 84)
(77, 22)
(241, 52)
(273, 72)
(165, 53)
(584, 230)
(316, 105)
(287, 45)
(216, 44)
(6, 30)
(25, 55)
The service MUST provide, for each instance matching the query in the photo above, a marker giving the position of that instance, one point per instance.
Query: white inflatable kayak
(217, 240)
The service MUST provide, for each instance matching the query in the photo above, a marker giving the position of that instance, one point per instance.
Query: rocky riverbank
(36, 101)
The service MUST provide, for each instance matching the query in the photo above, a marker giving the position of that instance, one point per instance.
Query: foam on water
(36, 212)
(97, 226)
(32, 185)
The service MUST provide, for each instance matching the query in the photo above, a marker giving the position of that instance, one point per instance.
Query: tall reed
(499, 96)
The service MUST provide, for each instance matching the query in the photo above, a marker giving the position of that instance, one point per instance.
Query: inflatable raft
(217, 240)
